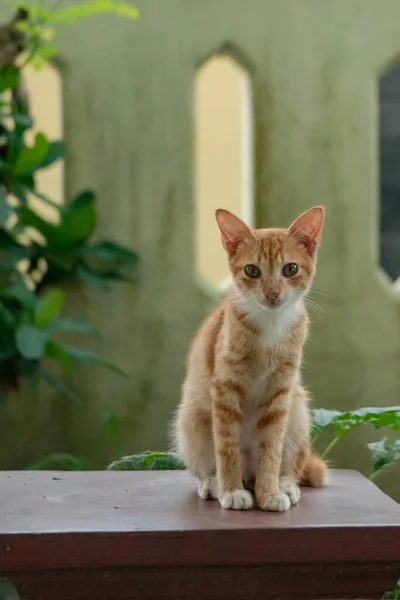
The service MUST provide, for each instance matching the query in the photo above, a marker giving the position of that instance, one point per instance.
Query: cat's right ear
(233, 230)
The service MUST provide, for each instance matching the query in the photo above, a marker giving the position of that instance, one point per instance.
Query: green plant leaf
(65, 324)
(322, 419)
(46, 200)
(149, 461)
(111, 254)
(345, 421)
(27, 367)
(9, 321)
(9, 78)
(55, 152)
(91, 8)
(15, 138)
(7, 316)
(8, 591)
(31, 341)
(30, 157)
(52, 233)
(11, 252)
(44, 53)
(21, 294)
(83, 199)
(48, 308)
(377, 417)
(5, 209)
(87, 277)
(56, 352)
(79, 219)
(20, 119)
(6, 353)
(60, 386)
(86, 357)
(58, 462)
(385, 453)
(19, 192)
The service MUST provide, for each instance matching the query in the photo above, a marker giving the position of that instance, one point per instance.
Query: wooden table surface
(124, 535)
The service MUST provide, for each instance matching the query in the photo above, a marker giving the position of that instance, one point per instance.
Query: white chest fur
(273, 323)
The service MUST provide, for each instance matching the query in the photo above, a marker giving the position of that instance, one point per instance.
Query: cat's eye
(252, 271)
(290, 269)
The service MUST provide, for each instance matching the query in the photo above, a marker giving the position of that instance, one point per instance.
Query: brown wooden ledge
(146, 535)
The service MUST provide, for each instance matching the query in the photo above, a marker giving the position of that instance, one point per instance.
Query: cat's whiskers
(313, 306)
(312, 292)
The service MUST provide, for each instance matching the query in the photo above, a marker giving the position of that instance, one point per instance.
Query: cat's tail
(315, 471)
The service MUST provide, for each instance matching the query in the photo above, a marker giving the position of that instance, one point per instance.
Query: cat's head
(272, 266)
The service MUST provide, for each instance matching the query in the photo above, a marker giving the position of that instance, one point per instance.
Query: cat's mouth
(271, 303)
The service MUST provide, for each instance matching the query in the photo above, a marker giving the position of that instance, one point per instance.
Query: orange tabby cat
(243, 416)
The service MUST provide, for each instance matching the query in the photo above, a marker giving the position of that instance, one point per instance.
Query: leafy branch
(148, 461)
(38, 252)
(384, 453)
(45, 17)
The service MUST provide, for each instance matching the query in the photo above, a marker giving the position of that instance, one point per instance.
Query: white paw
(292, 490)
(277, 502)
(236, 500)
(208, 488)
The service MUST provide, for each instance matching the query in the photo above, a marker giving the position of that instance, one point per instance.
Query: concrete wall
(129, 122)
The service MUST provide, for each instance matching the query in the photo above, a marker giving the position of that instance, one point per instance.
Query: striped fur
(243, 415)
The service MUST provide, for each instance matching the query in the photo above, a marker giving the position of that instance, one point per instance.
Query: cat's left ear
(307, 228)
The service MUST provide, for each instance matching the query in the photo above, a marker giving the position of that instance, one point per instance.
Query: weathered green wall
(129, 126)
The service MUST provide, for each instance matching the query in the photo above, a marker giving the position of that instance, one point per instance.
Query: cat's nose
(272, 296)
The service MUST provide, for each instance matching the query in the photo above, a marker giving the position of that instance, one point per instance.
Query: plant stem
(329, 447)
(314, 439)
(373, 475)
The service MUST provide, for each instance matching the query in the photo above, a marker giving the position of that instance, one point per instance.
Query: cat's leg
(289, 481)
(296, 445)
(271, 427)
(194, 442)
(227, 417)
(208, 488)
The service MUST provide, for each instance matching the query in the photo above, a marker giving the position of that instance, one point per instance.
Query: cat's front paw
(290, 489)
(208, 488)
(276, 502)
(236, 500)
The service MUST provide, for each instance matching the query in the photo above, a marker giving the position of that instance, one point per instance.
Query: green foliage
(395, 594)
(9, 78)
(148, 461)
(385, 452)
(45, 17)
(28, 332)
(345, 421)
(53, 252)
(8, 591)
